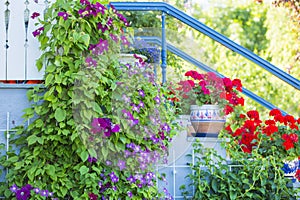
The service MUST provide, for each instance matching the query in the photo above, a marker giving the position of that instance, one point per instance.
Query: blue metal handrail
(185, 56)
(192, 22)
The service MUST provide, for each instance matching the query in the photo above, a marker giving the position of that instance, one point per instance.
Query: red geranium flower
(275, 112)
(253, 114)
(297, 175)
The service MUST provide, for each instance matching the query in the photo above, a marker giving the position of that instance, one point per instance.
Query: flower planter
(207, 120)
(128, 58)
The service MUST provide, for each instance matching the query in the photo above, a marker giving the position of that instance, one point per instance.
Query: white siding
(17, 61)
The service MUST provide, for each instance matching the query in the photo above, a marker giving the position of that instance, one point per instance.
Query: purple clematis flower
(135, 108)
(44, 193)
(121, 164)
(63, 15)
(36, 190)
(92, 159)
(114, 178)
(131, 179)
(165, 127)
(13, 188)
(91, 62)
(142, 93)
(141, 104)
(24, 192)
(157, 99)
(129, 194)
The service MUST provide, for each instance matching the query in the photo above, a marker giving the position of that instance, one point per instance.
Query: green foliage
(245, 177)
(55, 152)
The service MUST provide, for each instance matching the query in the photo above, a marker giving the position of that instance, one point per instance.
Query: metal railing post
(163, 48)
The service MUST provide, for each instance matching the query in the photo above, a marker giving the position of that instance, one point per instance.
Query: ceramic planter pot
(207, 120)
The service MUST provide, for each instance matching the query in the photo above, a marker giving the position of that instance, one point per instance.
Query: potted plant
(275, 136)
(264, 160)
(210, 99)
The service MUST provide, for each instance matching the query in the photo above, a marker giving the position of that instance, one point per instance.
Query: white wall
(17, 62)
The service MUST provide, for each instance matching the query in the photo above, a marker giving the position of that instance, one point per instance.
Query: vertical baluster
(7, 18)
(164, 48)
(26, 23)
(7, 136)
(46, 7)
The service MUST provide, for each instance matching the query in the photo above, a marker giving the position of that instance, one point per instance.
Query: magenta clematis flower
(113, 37)
(85, 2)
(92, 159)
(124, 41)
(99, 8)
(38, 31)
(93, 196)
(109, 21)
(101, 27)
(63, 15)
(104, 125)
(35, 15)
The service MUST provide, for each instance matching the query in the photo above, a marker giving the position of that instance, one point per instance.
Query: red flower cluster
(279, 127)
(211, 89)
